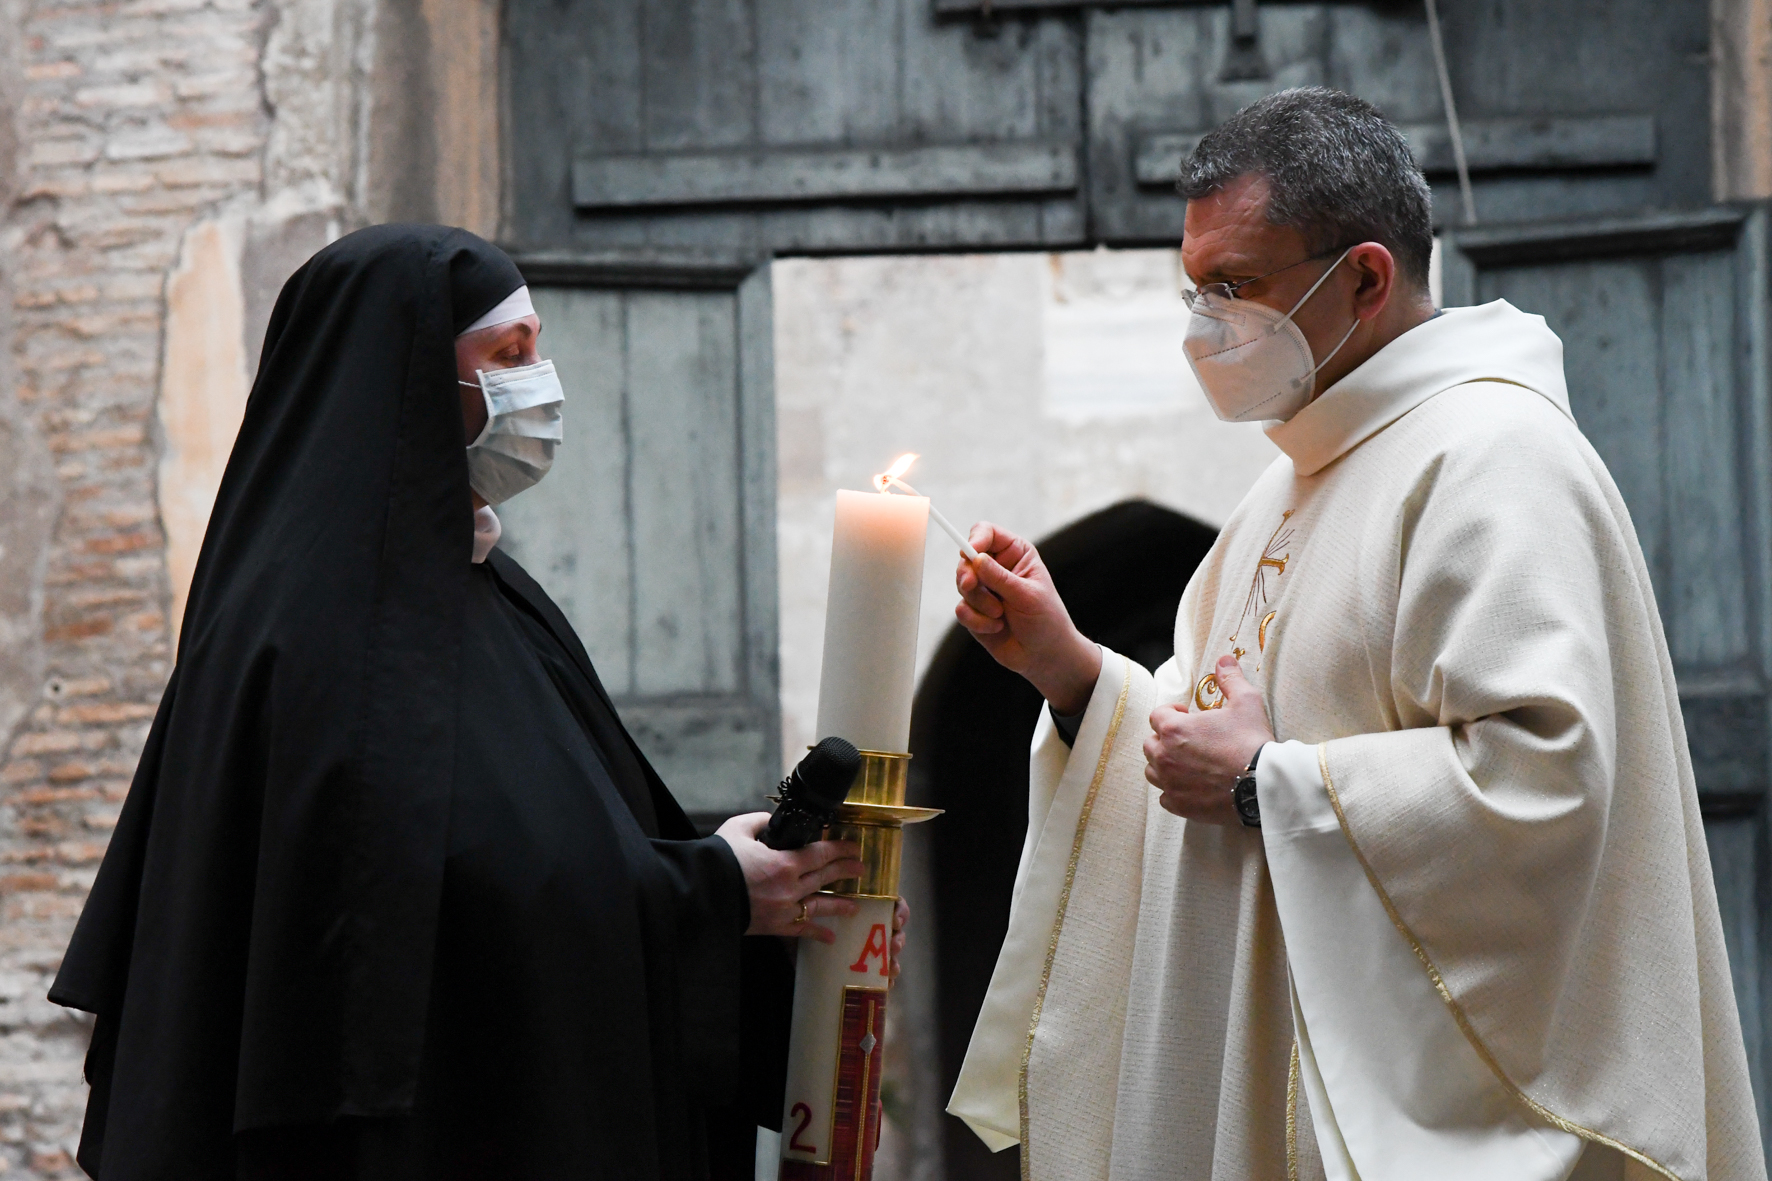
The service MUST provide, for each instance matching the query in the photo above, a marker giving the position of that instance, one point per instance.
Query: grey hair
(1336, 170)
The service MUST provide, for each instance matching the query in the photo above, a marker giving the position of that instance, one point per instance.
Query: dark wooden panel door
(1663, 321)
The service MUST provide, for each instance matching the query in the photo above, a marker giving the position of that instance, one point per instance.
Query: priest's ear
(1375, 268)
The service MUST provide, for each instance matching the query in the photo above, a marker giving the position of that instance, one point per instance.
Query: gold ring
(804, 903)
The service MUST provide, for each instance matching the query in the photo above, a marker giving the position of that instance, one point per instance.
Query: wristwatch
(1243, 795)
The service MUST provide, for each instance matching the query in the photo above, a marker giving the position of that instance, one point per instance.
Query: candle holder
(832, 1109)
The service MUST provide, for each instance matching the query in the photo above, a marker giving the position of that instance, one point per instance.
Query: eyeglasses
(1190, 296)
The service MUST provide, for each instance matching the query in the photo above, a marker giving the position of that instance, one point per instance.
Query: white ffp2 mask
(1252, 361)
(516, 447)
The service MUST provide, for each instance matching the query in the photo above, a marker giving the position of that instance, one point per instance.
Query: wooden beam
(463, 60)
(1491, 145)
(645, 268)
(1741, 99)
(763, 176)
(1596, 237)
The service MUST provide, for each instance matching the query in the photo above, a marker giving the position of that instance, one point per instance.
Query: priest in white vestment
(1395, 871)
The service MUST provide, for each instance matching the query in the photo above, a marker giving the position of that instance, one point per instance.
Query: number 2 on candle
(805, 1114)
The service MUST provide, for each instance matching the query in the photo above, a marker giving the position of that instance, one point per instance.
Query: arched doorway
(1121, 572)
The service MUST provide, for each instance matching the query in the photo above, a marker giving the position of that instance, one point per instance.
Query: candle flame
(890, 476)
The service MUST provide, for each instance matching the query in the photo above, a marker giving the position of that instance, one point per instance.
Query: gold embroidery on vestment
(1292, 1114)
(1272, 559)
(1458, 1014)
(1064, 901)
(1208, 688)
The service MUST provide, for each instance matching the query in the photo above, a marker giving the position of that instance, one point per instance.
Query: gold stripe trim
(1458, 1014)
(1064, 901)
(1292, 1115)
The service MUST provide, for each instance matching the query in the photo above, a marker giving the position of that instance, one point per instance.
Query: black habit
(394, 894)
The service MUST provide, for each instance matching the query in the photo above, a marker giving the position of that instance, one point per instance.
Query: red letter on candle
(875, 946)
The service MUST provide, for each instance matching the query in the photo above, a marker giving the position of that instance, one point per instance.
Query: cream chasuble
(1476, 938)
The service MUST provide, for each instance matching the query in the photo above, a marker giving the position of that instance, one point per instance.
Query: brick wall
(164, 165)
(134, 120)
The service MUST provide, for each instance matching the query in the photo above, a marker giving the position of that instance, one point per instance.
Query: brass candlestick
(832, 1123)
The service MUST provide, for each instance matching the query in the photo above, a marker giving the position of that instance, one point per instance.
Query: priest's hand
(1195, 758)
(784, 883)
(1008, 603)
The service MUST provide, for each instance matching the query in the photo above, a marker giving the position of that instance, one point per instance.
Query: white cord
(1458, 160)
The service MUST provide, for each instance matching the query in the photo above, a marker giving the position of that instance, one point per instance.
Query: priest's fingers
(998, 542)
(1165, 716)
(998, 581)
(1231, 681)
(972, 621)
(973, 592)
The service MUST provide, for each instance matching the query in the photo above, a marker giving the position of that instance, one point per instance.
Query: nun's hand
(784, 883)
(901, 914)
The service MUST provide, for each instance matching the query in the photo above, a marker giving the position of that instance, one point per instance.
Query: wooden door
(1664, 319)
(655, 530)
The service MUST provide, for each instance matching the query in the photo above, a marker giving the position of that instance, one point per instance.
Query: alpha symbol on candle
(891, 478)
(875, 946)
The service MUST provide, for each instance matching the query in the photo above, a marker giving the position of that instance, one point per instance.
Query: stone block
(66, 184)
(220, 82)
(156, 143)
(82, 629)
(64, 687)
(107, 712)
(127, 436)
(208, 170)
(45, 742)
(56, 152)
(124, 95)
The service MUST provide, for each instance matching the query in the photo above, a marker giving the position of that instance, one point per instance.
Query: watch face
(1243, 795)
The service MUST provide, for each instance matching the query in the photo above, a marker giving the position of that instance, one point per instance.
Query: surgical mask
(516, 447)
(1252, 362)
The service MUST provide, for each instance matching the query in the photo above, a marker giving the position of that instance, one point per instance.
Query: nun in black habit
(394, 894)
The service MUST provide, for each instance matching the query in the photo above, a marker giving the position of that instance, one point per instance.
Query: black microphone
(811, 794)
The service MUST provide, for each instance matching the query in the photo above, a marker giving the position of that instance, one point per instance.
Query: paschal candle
(870, 626)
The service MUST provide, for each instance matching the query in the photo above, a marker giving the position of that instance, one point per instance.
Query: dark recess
(1121, 572)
